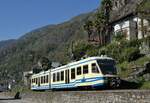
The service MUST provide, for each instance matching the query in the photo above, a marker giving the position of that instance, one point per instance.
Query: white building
(125, 20)
(131, 28)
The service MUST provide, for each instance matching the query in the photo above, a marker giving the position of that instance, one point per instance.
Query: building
(26, 77)
(125, 19)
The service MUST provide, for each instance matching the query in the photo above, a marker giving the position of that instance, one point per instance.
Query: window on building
(58, 76)
(73, 73)
(62, 75)
(54, 77)
(85, 69)
(94, 68)
(78, 70)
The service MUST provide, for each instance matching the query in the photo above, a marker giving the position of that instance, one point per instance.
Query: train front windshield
(107, 67)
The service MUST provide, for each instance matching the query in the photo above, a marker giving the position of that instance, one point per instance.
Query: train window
(47, 79)
(94, 68)
(36, 81)
(85, 69)
(78, 70)
(41, 80)
(62, 75)
(54, 77)
(58, 76)
(73, 73)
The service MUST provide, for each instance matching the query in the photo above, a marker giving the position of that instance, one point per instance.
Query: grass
(145, 85)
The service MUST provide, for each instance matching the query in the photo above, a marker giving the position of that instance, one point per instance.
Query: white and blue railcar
(94, 72)
(41, 81)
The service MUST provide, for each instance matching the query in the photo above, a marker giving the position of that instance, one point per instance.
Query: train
(92, 72)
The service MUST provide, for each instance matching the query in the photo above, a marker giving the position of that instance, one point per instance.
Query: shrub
(93, 52)
(119, 36)
(80, 49)
(130, 54)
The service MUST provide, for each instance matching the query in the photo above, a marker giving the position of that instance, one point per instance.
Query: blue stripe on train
(70, 85)
(45, 87)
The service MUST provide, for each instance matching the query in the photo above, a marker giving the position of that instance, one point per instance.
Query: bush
(80, 49)
(93, 52)
(124, 69)
(130, 54)
(119, 36)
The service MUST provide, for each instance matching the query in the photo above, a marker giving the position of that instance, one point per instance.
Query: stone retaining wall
(123, 96)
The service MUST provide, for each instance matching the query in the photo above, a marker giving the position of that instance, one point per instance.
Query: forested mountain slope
(51, 41)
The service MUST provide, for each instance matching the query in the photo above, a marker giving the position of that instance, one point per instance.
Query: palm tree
(100, 25)
(88, 26)
(106, 8)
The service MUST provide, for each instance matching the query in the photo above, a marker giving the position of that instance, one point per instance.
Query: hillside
(54, 42)
(51, 41)
(5, 43)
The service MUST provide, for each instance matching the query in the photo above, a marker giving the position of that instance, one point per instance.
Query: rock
(17, 96)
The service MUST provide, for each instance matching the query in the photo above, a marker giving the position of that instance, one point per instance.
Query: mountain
(51, 41)
(5, 43)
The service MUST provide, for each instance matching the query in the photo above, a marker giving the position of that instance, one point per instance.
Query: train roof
(41, 73)
(74, 63)
(84, 60)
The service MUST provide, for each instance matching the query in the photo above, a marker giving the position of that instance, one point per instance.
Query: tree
(143, 10)
(100, 24)
(45, 63)
(106, 7)
(88, 26)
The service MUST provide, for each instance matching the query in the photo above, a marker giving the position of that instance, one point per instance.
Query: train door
(49, 80)
(67, 76)
(38, 82)
(85, 72)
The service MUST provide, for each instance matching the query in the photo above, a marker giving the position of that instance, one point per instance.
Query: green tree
(102, 21)
(45, 63)
(106, 8)
(99, 25)
(88, 26)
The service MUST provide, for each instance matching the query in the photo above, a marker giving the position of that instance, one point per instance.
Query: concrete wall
(123, 96)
